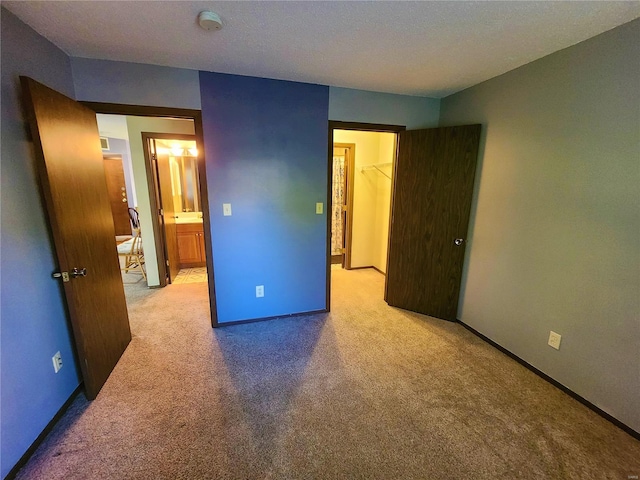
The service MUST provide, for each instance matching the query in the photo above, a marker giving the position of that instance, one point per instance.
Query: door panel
(71, 171)
(169, 215)
(116, 188)
(338, 198)
(348, 150)
(188, 244)
(345, 196)
(433, 186)
(191, 245)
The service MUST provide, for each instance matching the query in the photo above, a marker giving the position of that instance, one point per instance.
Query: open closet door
(71, 172)
(433, 187)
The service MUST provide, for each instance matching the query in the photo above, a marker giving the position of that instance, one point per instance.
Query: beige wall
(383, 201)
(555, 228)
(371, 199)
(135, 127)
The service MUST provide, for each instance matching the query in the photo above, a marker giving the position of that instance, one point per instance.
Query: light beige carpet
(365, 392)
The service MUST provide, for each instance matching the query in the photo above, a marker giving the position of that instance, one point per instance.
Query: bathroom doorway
(172, 164)
(122, 127)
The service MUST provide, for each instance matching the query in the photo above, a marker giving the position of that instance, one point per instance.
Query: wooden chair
(131, 250)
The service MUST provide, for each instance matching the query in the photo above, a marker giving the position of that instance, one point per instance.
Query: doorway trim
(196, 116)
(363, 127)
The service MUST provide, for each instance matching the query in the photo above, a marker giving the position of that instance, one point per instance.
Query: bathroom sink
(189, 217)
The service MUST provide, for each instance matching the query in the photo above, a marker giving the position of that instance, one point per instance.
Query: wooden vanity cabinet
(191, 245)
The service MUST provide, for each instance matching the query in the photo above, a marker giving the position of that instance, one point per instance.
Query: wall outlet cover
(57, 362)
(554, 340)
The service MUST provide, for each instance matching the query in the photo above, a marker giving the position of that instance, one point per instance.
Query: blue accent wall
(266, 150)
(33, 320)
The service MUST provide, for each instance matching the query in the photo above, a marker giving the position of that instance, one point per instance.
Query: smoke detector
(209, 20)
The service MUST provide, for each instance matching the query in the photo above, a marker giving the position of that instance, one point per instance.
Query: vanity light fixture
(177, 151)
(193, 152)
(209, 20)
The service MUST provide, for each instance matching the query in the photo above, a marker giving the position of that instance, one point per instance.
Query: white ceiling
(428, 48)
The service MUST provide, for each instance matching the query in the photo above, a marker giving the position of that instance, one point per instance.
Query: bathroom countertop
(188, 219)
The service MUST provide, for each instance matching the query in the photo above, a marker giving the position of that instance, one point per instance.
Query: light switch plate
(259, 291)
(226, 209)
(319, 208)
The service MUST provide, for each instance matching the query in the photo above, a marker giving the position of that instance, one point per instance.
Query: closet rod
(383, 164)
(377, 167)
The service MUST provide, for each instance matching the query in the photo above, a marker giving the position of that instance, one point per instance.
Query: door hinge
(161, 211)
(63, 275)
(167, 263)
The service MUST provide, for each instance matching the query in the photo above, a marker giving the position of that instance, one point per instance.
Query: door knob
(458, 241)
(78, 272)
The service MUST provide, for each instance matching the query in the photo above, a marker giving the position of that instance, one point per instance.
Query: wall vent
(104, 143)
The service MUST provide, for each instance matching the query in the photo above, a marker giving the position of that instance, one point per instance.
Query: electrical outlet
(259, 291)
(554, 340)
(226, 209)
(319, 208)
(57, 362)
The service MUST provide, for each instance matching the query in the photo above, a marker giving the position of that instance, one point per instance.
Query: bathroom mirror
(184, 177)
(183, 163)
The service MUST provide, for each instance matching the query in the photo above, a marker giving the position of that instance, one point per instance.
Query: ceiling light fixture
(209, 20)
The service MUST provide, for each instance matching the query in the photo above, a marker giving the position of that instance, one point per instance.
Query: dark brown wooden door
(168, 215)
(70, 168)
(433, 186)
(117, 191)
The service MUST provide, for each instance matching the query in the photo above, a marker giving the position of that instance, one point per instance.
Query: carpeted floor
(365, 392)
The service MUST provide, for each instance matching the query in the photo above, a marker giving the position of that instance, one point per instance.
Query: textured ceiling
(420, 48)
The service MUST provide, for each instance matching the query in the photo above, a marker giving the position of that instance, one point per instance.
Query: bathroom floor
(191, 275)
